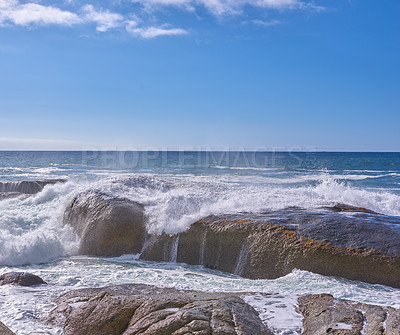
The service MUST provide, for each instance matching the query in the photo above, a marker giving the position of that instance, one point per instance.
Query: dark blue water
(368, 170)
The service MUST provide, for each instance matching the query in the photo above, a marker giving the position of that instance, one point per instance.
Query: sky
(200, 75)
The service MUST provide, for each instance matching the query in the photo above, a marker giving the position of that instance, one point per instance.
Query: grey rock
(107, 226)
(21, 278)
(141, 309)
(27, 187)
(324, 314)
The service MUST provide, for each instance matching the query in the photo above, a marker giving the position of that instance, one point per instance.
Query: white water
(21, 307)
(32, 230)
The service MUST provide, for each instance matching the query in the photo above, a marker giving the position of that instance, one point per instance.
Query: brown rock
(107, 226)
(359, 246)
(4, 330)
(21, 278)
(324, 314)
(141, 309)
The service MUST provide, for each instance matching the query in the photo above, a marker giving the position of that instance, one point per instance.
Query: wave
(31, 229)
(172, 206)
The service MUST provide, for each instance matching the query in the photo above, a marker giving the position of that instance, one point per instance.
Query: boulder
(106, 225)
(324, 314)
(21, 278)
(357, 244)
(4, 330)
(141, 309)
(27, 187)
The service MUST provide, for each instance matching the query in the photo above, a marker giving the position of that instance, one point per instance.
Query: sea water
(178, 188)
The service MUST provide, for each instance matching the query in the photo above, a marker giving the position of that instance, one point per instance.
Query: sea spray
(32, 230)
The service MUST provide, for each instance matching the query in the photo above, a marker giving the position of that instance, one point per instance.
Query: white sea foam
(278, 311)
(173, 204)
(32, 230)
(21, 307)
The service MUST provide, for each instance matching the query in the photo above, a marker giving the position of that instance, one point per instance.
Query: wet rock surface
(4, 330)
(341, 240)
(27, 187)
(21, 278)
(356, 245)
(325, 315)
(107, 226)
(142, 309)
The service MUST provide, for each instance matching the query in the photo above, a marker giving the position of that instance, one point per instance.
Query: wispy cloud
(25, 13)
(104, 18)
(265, 23)
(152, 32)
(227, 7)
(11, 12)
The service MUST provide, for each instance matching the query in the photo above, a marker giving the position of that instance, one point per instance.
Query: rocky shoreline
(133, 309)
(143, 309)
(343, 241)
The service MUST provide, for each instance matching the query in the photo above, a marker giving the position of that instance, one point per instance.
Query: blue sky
(200, 74)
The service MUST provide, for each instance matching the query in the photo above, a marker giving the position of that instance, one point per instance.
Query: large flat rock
(351, 243)
(142, 309)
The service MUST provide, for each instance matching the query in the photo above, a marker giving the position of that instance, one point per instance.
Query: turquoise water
(177, 188)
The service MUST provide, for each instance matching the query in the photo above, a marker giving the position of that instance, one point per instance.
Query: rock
(342, 240)
(324, 314)
(21, 278)
(107, 226)
(141, 309)
(358, 245)
(349, 209)
(27, 187)
(4, 330)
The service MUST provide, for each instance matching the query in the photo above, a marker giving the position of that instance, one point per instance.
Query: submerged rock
(141, 309)
(324, 314)
(21, 278)
(357, 246)
(4, 330)
(107, 226)
(27, 187)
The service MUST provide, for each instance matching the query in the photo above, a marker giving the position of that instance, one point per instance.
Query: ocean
(177, 189)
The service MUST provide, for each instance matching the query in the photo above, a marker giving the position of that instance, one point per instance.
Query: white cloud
(32, 13)
(105, 19)
(226, 7)
(265, 23)
(152, 32)
(35, 13)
